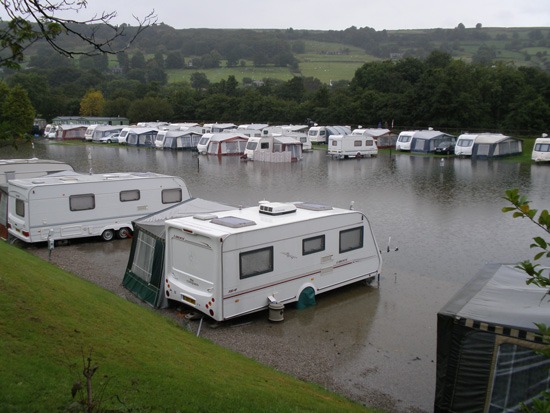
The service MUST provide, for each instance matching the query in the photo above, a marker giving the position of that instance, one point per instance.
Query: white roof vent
(276, 208)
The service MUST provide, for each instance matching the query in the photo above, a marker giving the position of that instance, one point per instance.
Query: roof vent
(276, 208)
(233, 222)
(313, 207)
(205, 217)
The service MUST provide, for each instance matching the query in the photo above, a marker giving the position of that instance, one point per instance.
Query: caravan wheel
(108, 235)
(123, 233)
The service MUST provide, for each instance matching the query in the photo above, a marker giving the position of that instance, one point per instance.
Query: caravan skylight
(313, 207)
(233, 222)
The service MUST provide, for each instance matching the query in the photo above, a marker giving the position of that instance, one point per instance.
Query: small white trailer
(541, 149)
(76, 206)
(352, 146)
(241, 261)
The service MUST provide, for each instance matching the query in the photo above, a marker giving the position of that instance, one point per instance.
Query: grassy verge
(51, 320)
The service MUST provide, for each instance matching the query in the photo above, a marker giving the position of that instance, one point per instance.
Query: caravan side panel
(228, 272)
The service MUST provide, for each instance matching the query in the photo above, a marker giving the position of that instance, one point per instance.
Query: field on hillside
(328, 61)
(322, 60)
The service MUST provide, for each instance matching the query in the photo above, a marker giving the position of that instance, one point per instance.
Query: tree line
(437, 91)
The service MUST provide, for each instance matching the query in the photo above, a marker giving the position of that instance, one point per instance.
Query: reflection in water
(443, 216)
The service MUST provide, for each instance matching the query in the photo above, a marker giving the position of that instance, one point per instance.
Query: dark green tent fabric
(487, 342)
(148, 238)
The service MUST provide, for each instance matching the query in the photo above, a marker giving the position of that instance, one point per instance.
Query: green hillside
(52, 321)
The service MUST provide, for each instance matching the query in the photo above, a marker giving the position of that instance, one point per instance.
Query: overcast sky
(331, 15)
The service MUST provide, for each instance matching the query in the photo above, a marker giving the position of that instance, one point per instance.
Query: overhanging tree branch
(33, 20)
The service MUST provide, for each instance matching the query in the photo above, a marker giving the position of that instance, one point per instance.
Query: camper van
(351, 146)
(541, 150)
(320, 134)
(202, 146)
(464, 144)
(273, 149)
(77, 206)
(89, 133)
(404, 140)
(236, 262)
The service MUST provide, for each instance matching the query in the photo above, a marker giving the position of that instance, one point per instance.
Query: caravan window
(170, 196)
(351, 239)
(255, 262)
(357, 143)
(82, 202)
(312, 245)
(334, 142)
(132, 195)
(20, 207)
(264, 145)
(542, 147)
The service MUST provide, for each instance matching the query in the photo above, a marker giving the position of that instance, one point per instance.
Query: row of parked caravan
(288, 142)
(474, 145)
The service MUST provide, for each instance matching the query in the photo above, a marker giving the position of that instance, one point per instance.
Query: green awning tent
(145, 270)
(487, 344)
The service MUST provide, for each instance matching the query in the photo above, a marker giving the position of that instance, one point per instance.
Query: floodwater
(440, 219)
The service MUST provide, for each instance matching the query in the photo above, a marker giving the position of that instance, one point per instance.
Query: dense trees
(16, 113)
(436, 91)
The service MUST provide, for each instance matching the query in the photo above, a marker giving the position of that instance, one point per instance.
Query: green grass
(222, 73)
(51, 319)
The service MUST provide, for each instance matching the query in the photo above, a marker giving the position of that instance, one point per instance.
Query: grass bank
(51, 321)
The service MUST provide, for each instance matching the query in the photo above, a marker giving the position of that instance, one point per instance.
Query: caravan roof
(491, 137)
(374, 132)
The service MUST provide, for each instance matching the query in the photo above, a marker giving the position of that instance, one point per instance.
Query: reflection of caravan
(541, 150)
(236, 262)
(351, 146)
(87, 205)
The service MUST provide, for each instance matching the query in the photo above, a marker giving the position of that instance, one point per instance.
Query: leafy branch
(521, 209)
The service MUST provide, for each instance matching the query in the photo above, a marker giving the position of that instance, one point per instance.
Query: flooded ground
(440, 216)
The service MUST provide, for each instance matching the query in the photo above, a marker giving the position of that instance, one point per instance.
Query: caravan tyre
(108, 235)
(123, 233)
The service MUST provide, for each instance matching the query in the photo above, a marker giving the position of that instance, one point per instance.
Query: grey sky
(334, 15)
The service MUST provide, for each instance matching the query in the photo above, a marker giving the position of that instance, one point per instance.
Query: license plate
(189, 300)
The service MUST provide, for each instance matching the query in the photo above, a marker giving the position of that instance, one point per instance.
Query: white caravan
(351, 146)
(320, 134)
(202, 146)
(294, 131)
(404, 140)
(240, 261)
(89, 134)
(273, 149)
(64, 207)
(464, 144)
(541, 150)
